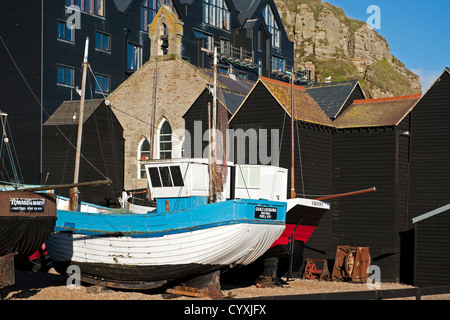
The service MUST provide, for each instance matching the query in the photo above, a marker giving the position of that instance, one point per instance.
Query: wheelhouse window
(64, 32)
(165, 141)
(102, 41)
(272, 24)
(102, 83)
(166, 177)
(149, 9)
(248, 177)
(216, 13)
(96, 7)
(65, 75)
(134, 56)
(144, 154)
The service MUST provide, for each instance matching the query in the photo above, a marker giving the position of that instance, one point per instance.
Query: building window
(102, 41)
(96, 7)
(149, 9)
(102, 83)
(64, 32)
(216, 13)
(225, 47)
(269, 18)
(65, 75)
(278, 64)
(144, 154)
(134, 57)
(208, 39)
(165, 140)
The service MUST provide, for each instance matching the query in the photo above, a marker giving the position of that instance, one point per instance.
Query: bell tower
(165, 32)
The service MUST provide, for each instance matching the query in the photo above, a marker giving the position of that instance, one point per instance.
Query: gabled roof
(231, 83)
(64, 115)
(332, 97)
(376, 112)
(247, 8)
(123, 5)
(306, 109)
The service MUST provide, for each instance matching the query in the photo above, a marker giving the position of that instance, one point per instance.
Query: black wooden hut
(102, 150)
(371, 148)
(429, 187)
(268, 106)
(230, 94)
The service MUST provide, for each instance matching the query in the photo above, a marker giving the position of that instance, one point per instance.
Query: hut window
(144, 154)
(165, 140)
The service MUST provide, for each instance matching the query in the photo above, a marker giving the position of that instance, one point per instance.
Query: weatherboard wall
(20, 87)
(262, 111)
(102, 150)
(197, 118)
(429, 182)
(365, 158)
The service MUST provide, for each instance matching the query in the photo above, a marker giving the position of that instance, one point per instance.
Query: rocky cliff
(332, 45)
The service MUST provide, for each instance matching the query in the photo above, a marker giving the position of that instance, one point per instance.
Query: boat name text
(26, 205)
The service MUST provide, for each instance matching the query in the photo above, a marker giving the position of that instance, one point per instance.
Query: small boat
(195, 229)
(26, 218)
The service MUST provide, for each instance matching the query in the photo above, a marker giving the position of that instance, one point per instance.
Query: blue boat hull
(147, 250)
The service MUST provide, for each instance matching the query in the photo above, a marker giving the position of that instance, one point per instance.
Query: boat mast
(212, 128)
(74, 192)
(292, 136)
(152, 129)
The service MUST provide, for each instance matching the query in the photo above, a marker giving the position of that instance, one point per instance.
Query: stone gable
(178, 86)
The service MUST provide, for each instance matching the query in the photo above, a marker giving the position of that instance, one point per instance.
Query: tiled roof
(376, 112)
(64, 115)
(306, 109)
(331, 97)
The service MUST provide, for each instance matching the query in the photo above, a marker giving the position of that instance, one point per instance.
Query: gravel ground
(52, 286)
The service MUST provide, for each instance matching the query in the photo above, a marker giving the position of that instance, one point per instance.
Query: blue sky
(418, 32)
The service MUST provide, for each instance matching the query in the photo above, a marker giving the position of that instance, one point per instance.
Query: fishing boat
(26, 218)
(195, 228)
(26, 221)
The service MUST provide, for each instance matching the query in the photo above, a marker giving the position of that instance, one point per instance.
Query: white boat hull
(187, 254)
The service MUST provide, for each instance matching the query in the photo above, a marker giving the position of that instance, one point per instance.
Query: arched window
(144, 154)
(165, 140)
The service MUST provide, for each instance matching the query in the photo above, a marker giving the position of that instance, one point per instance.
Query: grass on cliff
(383, 75)
(338, 69)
